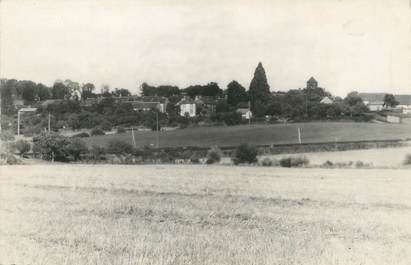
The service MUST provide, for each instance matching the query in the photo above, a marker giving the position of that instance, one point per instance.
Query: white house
(245, 113)
(187, 107)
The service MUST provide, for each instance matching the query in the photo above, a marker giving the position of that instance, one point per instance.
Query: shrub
(97, 152)
(6, 136)
(195, 158)
(76, 148)
(121, 130)
(52, 146)
(97, 131)
(327, 164)
(267, 162)
(106, 125)
(22, 147)
(119, 147)
(9, 159)
(214, 155)
(297, 161)
(407, 160)
(245, 154)
(81, 135)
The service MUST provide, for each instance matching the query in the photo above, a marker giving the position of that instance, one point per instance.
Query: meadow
(263, 134)
(170, 214)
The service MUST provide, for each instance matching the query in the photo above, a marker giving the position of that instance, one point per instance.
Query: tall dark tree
(390, 101)
(87, 91)
(43, 92)
(259, 88)
(6, 90)
(235, 93)
(59, 91)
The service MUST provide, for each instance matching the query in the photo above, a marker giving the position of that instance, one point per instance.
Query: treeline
(31, 93)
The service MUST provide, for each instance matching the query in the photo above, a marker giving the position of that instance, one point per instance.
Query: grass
(83, 214)
(264, 134)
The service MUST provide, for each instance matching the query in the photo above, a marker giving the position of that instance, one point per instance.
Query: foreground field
(82, 214)
(265, 134)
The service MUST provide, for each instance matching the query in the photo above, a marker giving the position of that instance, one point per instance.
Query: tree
(60, 91)
(259, 88)
(235, 93)
(87, 91)
(23, 147)
(28, 91)
(52, 146)
(43, 92)
(245, 154)
(122, 92)
(6, 90)
(390, 101)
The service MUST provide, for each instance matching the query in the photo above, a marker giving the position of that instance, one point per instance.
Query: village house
(245, 113)
(187, 107)
(205, 105)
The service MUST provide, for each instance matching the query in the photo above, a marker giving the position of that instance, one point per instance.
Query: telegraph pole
(49, 123)
(157, 135)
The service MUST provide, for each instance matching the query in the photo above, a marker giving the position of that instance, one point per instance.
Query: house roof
(185, 100)
(403, 99)
(144, 105)
(379, 97)
(243, 110)
(51, 101)
(326, 100)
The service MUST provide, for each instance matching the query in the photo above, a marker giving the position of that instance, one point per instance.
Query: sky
(362, 45)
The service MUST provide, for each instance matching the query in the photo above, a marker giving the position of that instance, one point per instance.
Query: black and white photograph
(205, 132)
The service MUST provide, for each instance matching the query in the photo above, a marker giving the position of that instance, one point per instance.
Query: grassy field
(264, 134)
(84, 214)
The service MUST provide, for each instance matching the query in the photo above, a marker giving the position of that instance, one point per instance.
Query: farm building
(375, 101)
(374, 105)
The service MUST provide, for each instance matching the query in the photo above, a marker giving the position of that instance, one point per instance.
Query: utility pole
(0, 110)
(18, 123)
(157, 135)
(49, 123)
(133, 139)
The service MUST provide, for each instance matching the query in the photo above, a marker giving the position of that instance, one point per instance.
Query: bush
(267, 162)
(6, 136)
(214, 155)
(245, 154)
(407, 160)
(22, 147)
(81, 135)
(97, 131)
(76, 148)
(97, 152)
(327, 164)
(9, 159)
(106, 125)
(52, 146)
(195, 158)
(297, 161)
(121, 130)
(119, 147)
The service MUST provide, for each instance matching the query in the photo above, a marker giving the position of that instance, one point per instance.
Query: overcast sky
(362, 45)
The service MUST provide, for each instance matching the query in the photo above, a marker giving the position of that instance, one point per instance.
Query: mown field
(264, 134)
(103, 214)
